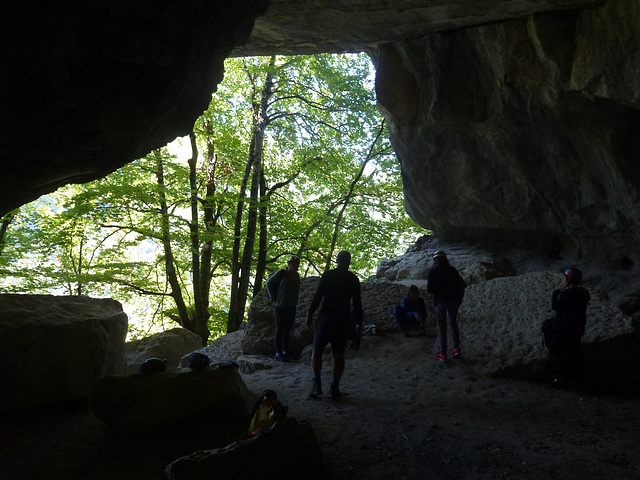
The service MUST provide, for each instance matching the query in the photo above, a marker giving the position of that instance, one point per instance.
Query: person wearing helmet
(570, 304)
(338, 290)
(283, 288)
(447, 287)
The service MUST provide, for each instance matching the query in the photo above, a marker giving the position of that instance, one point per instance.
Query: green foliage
(105, 238)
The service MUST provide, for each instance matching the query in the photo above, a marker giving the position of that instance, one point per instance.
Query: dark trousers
(565, 356)
(284, 321)
(447, 313)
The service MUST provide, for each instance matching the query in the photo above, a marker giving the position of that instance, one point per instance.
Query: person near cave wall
(568, 325)
(338, 291)
(411, 314)
(447, 287)
(283, 288)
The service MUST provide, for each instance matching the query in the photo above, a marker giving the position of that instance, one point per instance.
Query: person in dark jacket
(283, 288)
(447, 287)
(570, 304)
(411, 314)
(337, 290)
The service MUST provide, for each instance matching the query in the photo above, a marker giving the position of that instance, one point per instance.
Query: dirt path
(408, 416)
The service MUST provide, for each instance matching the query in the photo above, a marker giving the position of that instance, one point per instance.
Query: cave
(513, 123)
(516, 124)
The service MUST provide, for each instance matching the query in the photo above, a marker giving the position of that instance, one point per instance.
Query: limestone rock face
(95, 85)
(293, 27)
(500, 320)
(53, 348)
(522, 131)
(141, 403)
(513, 120)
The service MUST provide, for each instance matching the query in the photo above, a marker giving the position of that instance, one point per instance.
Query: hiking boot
(335, 392)
(456, 353)
(285, 357)
(440, 356)
(316, 389)
(280, 358)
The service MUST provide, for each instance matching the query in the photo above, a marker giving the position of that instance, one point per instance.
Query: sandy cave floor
(404, 415)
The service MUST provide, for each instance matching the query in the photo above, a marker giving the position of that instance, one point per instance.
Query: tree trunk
(209, 226)
(232, 323)
(241, 272)
(176, 293)
(261, 264)
(201, 302)
(349, 196)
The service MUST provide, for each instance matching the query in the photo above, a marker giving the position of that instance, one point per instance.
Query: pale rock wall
(522, 131)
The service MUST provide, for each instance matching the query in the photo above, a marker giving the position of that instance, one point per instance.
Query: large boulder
(171, 345)
(53, 348)
(287, 450)
(143, 403)
(500, 324)
(223, 349)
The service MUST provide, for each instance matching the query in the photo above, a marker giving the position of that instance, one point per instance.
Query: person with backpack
(283, 288)
(447, 287)
(568, 325)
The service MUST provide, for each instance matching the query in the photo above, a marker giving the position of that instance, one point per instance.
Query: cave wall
(512, 120)
(88, 87)
(522, 130)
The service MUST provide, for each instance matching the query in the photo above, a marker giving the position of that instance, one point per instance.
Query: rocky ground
(404, 415)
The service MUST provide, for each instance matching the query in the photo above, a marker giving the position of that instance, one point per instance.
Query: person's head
(440, 258)
(573, 276)
(413, 292)
(293, 263)
(343, 259)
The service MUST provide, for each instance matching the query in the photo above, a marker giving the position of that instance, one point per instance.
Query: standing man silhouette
(338, 289)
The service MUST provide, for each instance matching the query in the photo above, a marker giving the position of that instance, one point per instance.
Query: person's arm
(408, 307)
(357, 301)
(315, 301)
(430, 281)
(556, 303)
(273, 283)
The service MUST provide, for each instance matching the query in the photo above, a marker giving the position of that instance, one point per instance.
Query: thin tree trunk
(241, 273)
(232, 324)
(349, 196)
(201, 303)
(209, 226)
(261, 264)
(172, 277)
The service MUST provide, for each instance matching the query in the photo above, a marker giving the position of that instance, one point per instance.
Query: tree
(301, 108)
(290, 157)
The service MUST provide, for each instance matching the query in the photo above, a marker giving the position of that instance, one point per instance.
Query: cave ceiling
(508, 117)
(294, 27)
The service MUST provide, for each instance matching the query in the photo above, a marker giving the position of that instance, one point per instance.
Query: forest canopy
(291, 157)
